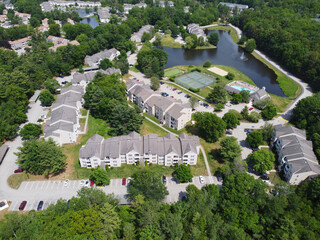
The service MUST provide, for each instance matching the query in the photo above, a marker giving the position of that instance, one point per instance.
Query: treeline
(289, 37)
(242, 209)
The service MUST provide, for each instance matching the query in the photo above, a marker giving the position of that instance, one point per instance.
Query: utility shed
(35, 96)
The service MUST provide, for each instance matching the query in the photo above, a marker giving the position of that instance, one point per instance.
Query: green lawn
(168, 41)
(210, 149)
(200, 168)
(148, 127)
(172, 72)
(84, 112)
(275, 178)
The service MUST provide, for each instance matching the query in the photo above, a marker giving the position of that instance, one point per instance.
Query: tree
(189, 42)
(250, 45)
(245, 95)
(231, 120)
(124, 120)
(157, 41)
(41, 157)
(245, 112)
(52, 85)
(146, 37)
(148, 184)
(207, 64)
(255, 139)
(30, 130)
(230, 76)
(209, 126)
(99, 176)
(155, 83)
(219, 107)
(105, 63)
(193, 102)
(218, 95)
(110, 220)
(269, 112)
(152, 61)
(54, 29)
(262, 160)
(267, 131)
(236, 98)
(46, 97)
(183, 173)
(254, 117)
(230, 149)
(213, 39)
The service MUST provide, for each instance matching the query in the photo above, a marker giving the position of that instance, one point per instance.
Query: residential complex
(95, 59)
(133, 148)
(193, 28)
(63, 123)
(51, 5)
(128, 7)
(233, 6)
(295, 154)
(169, 112)
(136, 37)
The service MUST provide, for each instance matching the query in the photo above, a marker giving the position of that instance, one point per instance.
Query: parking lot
(51, 191)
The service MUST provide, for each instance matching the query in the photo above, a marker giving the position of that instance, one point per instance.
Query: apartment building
(193, 28)
(51, 5)
(95, 59)
(63, 123)
(130, 149)
(104, 14)
(295, 154)
(20, 43)
(24, 17)
(234, 6)
(170, 112)
(128, 7)
(83, 79)
(136, 37)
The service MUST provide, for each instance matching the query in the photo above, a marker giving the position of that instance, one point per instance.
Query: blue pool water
(242, 89)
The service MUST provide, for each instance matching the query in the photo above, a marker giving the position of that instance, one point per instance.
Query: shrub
(254, 117)
(219, 107)
(230, 76)
(196, 70)
(194, 90)
(207, 64)
(172, 79)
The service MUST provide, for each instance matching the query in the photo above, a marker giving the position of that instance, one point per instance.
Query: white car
(82, 182)
(66, 182)
(201, 178)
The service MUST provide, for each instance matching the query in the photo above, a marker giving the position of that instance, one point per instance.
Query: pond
(230, 54)
(83, 13)
(92, 21)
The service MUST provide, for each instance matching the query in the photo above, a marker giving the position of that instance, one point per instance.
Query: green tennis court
(195, 80)
(172, 72)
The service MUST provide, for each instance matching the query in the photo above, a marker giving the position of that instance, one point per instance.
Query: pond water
(93, 22)
(230, 54)
(83, 13)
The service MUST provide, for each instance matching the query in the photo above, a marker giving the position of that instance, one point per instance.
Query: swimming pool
(242, 89)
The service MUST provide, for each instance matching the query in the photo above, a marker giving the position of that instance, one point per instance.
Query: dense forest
(242, 209)
(285, 31)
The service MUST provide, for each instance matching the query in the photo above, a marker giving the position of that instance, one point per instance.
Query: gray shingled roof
(50, 130)
(281, 130)
(175, 111)
(78, 89)
(69, 99)
(63, 114)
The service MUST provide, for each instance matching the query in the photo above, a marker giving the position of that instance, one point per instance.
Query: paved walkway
(159, 125)
(185, 89)
(85, 130)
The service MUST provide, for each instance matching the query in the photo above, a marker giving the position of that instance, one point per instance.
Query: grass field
(275, 178)
(172, 72)
(200, 168)
(15, 180)
(148, 127)
(168, 41)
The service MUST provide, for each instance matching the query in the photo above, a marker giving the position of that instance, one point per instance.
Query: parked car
(129, 180)
(82, 182)
(64, 82)
(124, 181)
(22, 205)
(40, 205)
(2, 204)
(161, 82)
(19, 170)
(219, 177)
(229, 132)
(91, 183)
(255, 149)
(174, 89)
(179, 92)
(187, 96)
(61, 76)
(250, 109)
(205, 104)
(201, 178)
(164, 179)
(264, 176)
(87, 183)
(66, 182)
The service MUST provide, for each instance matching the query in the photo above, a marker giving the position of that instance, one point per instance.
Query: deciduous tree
(262, 160)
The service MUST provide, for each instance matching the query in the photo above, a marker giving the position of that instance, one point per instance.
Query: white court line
(53, 183)
(25, 185)
(31, 186)
(43, 183)
(48, 184)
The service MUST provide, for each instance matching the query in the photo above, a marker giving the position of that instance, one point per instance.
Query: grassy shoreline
(168, 41)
